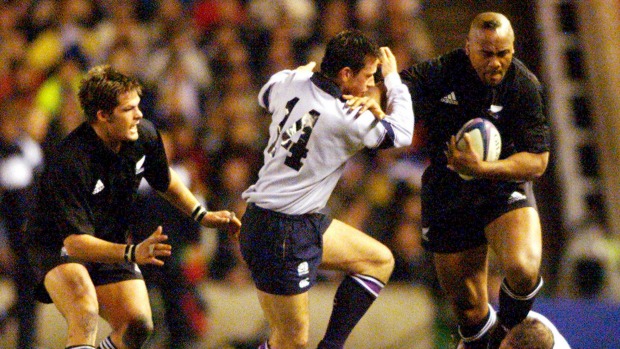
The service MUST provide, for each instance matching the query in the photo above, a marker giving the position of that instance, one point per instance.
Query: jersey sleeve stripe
(389, 138)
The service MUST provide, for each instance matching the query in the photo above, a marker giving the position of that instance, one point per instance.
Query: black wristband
(199, 213)
(128, 249)
(132, 252)
(196, 211)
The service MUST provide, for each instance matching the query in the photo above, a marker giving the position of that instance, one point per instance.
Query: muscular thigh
(517, 239)
(121, 302)
(348, 249)
(71, 289)
(465, 226)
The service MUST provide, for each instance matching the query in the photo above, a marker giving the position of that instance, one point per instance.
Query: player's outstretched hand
(149, 250)
(308, 67)
(226, 220)
(388, 61)
(364, 103)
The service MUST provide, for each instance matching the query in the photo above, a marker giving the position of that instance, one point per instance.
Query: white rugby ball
(485, 138)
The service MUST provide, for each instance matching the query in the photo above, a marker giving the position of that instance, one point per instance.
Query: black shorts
(43, 260)
(462, 228)
(283, 251)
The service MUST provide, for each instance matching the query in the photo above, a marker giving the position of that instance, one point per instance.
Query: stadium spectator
(21, 160)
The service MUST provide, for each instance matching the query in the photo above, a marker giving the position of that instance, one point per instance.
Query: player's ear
(102, 115)
(345, 74)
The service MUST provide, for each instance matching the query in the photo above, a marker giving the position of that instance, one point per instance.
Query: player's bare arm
(226, 220)
(181, 197)
(522, 166)
(519, 166)
(88, 248)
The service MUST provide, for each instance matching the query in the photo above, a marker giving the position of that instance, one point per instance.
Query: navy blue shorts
(462, 229)
(282, 251)
(44, 260)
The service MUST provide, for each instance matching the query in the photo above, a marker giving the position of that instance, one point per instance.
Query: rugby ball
(485, 138)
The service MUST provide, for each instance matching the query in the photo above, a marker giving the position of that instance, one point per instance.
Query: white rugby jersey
(313, 134)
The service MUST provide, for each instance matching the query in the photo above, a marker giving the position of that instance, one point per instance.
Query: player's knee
(470, 312)
(385, 258)
(380, 264)
(390, 263)
(137, 332)
(524, 274)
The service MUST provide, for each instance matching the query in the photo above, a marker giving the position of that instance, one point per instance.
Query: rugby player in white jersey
(319, 121)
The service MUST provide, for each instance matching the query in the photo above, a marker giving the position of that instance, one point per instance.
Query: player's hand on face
(364, 103)
(308, 67)
(152, 248)
(388, 61)
(226, 220)
(464, 161)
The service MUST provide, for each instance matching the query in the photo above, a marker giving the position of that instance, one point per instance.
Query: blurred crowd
(201, 63)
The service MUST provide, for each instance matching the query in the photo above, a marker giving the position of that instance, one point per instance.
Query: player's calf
(353, 298)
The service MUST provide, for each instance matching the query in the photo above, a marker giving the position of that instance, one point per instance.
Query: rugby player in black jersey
(463, 219)
(78, 235)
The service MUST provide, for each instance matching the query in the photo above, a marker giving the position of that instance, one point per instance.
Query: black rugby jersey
(86, 188)
(447, 92)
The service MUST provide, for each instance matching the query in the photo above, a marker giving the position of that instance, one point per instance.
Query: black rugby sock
(477, 336)
(513, 308)
(354, 296)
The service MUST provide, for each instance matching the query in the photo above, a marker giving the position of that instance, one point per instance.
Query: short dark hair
(349, 48)
(492, 21)
(531, 333)
(490, 24)
(100, 89)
